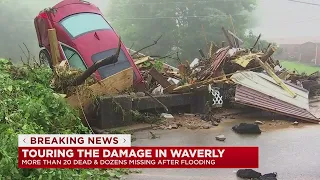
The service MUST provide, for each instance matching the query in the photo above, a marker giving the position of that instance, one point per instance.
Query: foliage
(28, 105)
(185, 26)
(158, 65)
(300, 67)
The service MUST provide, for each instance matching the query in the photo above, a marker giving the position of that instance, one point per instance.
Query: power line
(296, 22)
(178, 2)
(176, 17)
(303, 2)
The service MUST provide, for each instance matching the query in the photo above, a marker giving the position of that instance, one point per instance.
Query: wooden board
(54, 48)
(110, 86)
(160, 79)
(141, 60)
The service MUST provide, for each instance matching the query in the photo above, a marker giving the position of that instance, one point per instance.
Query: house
(308, 52)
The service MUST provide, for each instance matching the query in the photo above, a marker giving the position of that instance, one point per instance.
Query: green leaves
(28, 105)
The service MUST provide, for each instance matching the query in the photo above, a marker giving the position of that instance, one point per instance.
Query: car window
(109, 70)
(82, 23)
(74, 59)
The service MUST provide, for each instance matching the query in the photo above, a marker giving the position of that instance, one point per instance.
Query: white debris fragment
(296, 123)
(175, 81)
(221, 138)
(167, 116)
(158, 90)
(278, 68)
(194, 63)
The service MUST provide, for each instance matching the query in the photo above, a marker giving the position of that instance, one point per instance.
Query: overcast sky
(288, 21)
(282, 21)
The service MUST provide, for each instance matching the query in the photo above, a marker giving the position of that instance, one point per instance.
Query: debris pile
(245, 76)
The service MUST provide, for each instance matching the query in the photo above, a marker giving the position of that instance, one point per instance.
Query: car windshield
(79, 24)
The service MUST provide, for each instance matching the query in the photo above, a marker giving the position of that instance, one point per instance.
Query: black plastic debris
(248, 173)
(269, 176)
(252, 174)
(245, 128)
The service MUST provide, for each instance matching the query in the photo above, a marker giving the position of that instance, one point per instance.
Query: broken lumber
(213, 49)
(54, 48)
(275, 77)
(268, 54)
(227, 36)
(111, 85)
(142, 60)
(161, 80)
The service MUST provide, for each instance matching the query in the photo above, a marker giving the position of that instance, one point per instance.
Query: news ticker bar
(74, 140)
(115, 151)
(138, 157)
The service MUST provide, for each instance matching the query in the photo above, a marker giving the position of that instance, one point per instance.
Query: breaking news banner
(115, 151)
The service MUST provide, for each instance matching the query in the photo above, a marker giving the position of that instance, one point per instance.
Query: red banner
(138, 157)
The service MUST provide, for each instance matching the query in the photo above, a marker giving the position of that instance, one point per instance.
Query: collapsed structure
(246, 76)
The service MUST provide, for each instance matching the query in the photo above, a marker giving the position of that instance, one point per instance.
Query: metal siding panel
(253, 81)
(249, 96)
(254, 98)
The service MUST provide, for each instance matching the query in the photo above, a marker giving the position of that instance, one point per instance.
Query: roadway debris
(221, 138)
(252, 174)
(295, 123)
(248, 173)
(245, 128)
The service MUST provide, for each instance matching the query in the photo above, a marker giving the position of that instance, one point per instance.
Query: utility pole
(315, 61)
(300, 57)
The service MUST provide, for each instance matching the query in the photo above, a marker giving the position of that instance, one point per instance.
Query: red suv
(84, 37)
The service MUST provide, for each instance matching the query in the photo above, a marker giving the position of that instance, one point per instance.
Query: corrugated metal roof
(266, 85)
(261, 91)
(219, 58)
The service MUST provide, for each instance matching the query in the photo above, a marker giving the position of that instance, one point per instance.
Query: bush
(28, 105)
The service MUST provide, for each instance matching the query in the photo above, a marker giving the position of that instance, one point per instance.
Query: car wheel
(45, 58)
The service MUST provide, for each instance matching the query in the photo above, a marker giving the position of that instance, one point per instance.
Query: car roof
(68, 7)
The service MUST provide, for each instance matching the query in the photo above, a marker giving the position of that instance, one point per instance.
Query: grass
(300, 67)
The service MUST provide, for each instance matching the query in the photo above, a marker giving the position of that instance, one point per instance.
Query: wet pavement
(292, 152)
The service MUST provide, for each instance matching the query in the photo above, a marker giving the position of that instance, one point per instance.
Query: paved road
(294, 153)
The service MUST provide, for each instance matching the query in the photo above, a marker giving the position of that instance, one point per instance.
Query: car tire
(45, 58)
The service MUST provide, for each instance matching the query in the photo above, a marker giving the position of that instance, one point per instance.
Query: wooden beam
(236, 37)
(268, 54)
(54, 48)
(213, 49)
(111, 85)
(160, 79)
(227, 36)
(275, 77)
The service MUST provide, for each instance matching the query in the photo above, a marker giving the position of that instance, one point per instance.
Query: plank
(160, 79)
(111, 85)
(227, 36)
(142, 60)
(54, 48)
(276, 78)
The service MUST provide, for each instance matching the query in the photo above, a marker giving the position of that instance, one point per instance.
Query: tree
(186, 26)
(250, 39)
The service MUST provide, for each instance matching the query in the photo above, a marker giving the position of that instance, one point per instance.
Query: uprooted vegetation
(29, 105)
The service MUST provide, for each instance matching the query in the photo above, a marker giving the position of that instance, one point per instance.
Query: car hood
(95, 42)
(95, 46)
